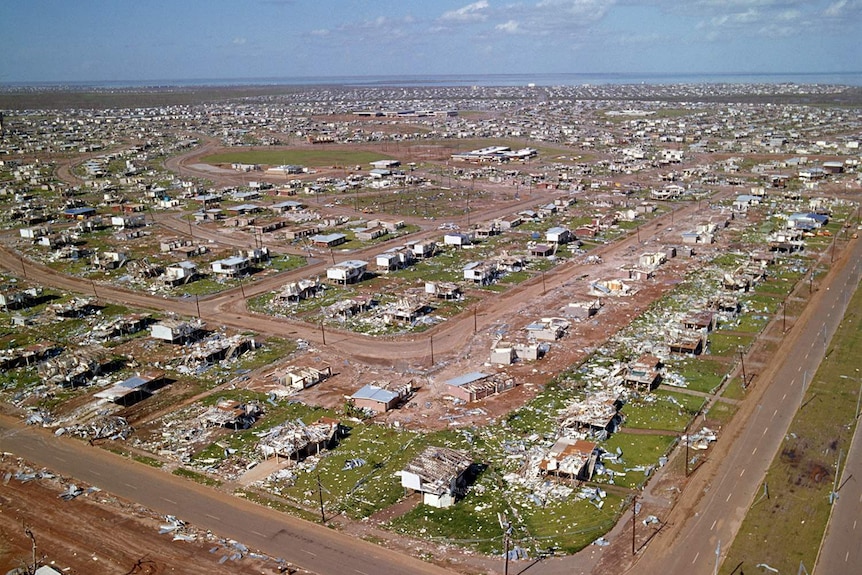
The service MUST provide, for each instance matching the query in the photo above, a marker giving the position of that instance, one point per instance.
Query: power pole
(322, 332)
(742, 362)
(634, 520)
(320, 496)
(506, 551)
(432, 350)
(198, 306)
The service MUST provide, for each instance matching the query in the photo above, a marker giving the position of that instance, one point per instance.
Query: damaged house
(76, 367)
(475, 386)
(134, 389)
(643, 373)
(482, 273)
(504, 353)
(547, 329)
(347, 272)
(231, 414)
(394, 259)
(381, 398)
(443, 290)
(296, 440)
(299, 378)
(295, 292)
(175, 330)
(439, 474)
(217, 348)
(596, 412)
(570, 458)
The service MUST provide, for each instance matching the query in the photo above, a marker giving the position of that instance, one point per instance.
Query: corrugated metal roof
(374, 393)
(462, 380)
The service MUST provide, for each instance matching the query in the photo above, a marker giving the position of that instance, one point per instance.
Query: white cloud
(239, 41)
(510, 27)
(320, 32)
(843, 9)
(475, 12)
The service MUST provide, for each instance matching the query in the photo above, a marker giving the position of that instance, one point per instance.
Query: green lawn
(665, 410)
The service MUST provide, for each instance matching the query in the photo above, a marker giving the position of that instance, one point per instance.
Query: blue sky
(102, 40)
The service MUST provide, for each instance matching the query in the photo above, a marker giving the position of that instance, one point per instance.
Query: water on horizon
(443, 80)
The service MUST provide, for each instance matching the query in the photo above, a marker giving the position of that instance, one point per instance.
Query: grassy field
(786, 528)
(315, 158)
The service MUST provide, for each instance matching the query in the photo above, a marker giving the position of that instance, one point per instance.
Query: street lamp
(858, 395)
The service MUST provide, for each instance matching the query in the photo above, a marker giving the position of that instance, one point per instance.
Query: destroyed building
(134, 389)
(475, 386)
(75, 367)
(176, 331)
(570, 458)
(439, 474)
(217, 348)
(380, 398)
(599, 411)
(297, 440)
(299, 378)
(232, 414)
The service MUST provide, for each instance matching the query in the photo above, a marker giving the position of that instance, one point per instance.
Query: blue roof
(375, 393)
(462, 380)
(79, 211)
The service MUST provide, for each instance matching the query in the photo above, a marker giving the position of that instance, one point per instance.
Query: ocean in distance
(831, 78)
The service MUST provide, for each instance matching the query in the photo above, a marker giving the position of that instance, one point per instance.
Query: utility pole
(834, 495)
(432, 350)
(475, 325)
(742, 362)
(506, 550)
(241, 287)
(198, 306)
(23, 267)
(634, 521)
(687, 441)
(322, 332)
(544, 290)
(320, 496)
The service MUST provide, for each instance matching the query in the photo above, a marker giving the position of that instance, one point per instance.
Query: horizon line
(338, 79)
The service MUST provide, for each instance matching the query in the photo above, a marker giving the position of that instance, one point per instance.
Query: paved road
(841, 552)
(314, 547)
(689, 548)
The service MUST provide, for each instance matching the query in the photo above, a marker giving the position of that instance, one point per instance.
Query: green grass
(197, 477)
(147, 460)
(721, 412)
(277, 504)
(787, 528)
(700, 373)
(318, 157)
(726, 345)
(638, 450)
(671, 411)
